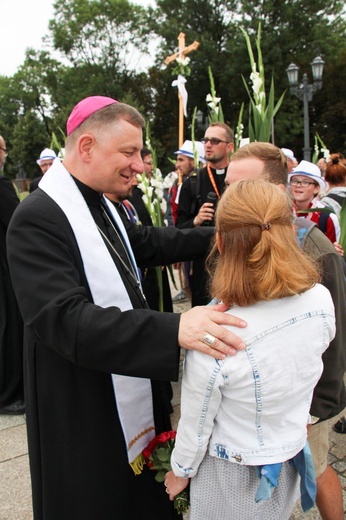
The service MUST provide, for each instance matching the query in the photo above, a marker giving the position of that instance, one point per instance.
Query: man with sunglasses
(199, 196)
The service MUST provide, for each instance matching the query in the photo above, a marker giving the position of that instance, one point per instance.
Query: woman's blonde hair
(260, 258)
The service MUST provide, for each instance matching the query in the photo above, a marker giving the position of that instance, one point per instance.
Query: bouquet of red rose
(157, 456)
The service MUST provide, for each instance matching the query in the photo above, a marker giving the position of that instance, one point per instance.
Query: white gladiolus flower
(155, 183)
(159, 193)
(326, 154)
(209, 98)
(150, 192)
(259, 108)
(261, 95)
(167, 182)
(142, 187)
(145, 199)
(163, 206)
(257, 85)
(216, 109)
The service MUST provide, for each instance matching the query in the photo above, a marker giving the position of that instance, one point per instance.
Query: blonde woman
(242, 434)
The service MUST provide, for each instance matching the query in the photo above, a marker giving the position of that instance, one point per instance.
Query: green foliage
(99, 32)
(214, 102)
(103, 43)
(317, 150)
(261, 112)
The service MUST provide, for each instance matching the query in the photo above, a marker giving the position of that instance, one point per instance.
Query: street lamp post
(305, 91)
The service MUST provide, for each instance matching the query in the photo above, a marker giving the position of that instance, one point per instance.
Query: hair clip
(266, 226)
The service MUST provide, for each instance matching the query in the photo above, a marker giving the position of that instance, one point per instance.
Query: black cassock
(78, 460)
(11, 326)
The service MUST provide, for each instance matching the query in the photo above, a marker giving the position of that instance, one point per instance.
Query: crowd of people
(264, 338)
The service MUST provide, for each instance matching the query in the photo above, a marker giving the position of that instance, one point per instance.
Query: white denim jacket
(253, 408)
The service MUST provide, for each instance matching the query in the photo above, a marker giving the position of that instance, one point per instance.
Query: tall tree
(298, 30)
(106, 33)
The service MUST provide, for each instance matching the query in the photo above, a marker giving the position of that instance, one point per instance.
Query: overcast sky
(23, 24)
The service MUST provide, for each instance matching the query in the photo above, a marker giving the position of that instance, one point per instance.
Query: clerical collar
(219, 171)
(92, 197)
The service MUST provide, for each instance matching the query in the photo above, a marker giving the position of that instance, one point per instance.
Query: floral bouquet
(156, 205)
(324, 150)
(157, 456)
(214, 102)
(262, 109)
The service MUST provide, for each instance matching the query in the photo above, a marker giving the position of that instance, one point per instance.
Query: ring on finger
(209, 340)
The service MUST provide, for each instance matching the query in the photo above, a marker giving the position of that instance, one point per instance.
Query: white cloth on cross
(180, 83)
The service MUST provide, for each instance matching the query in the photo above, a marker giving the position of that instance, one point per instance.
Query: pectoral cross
(183, 51)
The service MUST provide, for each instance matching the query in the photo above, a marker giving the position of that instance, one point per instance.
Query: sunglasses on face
(213, 141)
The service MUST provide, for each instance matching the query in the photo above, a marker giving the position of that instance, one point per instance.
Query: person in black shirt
(194, 210)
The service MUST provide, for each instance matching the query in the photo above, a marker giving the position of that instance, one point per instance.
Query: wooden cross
(183, 51)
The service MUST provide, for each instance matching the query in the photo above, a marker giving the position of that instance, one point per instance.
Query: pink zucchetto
(85, 108)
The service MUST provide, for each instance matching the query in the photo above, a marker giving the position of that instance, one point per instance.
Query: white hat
(46, 154)
(288, 153)
(187, 149)
(308, 169)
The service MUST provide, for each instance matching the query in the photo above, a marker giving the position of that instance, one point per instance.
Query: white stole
(133, 395)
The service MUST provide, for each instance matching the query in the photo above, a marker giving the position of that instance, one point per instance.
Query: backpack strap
(322, 221)
(336, 197)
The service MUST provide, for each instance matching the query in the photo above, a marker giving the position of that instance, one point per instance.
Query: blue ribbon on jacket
(303, 463)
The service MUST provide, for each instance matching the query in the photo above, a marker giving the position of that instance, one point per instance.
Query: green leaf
(343, 226)
(160, 476)
(163, 455)
(315, 210)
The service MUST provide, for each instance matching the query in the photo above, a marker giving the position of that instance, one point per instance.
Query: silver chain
(131, 271)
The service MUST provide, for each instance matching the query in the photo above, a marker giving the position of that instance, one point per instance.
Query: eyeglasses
(304, 184)
(4, 150)
(213, 141)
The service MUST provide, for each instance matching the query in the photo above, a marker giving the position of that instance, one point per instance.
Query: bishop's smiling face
(114, 157)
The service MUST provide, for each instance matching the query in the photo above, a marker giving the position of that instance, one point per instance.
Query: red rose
(159, 439)
(166, 436)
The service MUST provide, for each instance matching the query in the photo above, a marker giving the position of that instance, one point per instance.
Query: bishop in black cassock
(78, 459)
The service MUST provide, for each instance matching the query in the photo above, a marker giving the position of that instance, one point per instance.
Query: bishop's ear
(85, 145)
